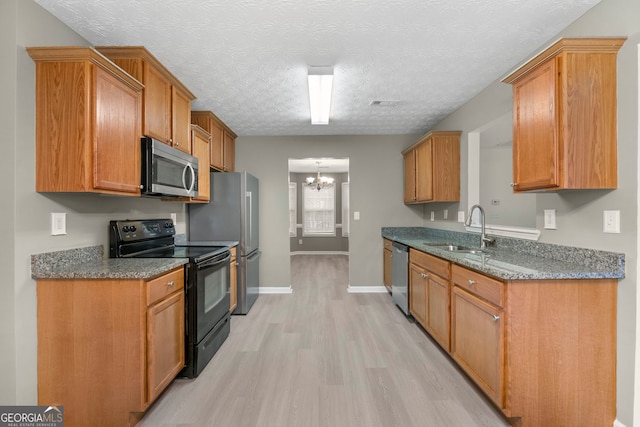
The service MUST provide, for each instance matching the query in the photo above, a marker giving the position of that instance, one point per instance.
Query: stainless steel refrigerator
(232, 215)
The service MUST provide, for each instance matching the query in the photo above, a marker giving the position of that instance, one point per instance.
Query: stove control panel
(134, 230)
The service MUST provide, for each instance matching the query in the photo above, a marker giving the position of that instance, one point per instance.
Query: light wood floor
(324, 357)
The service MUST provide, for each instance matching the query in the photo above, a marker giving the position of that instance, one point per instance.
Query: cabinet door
(180, 121)
(157, 105)
(410, 176)
(217, 146)
(165, 343)
(536, 151)
(418, 294)
(229, 152)
(387, 268)
(424, 171)
(116, 153)
(477, 342)
(438, 314)
(201, 152)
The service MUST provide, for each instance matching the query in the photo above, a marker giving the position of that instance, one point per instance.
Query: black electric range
(207, 279)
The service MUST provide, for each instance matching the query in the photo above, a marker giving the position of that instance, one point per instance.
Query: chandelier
(319, 182)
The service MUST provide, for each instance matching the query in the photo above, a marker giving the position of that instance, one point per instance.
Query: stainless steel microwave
(167, 171)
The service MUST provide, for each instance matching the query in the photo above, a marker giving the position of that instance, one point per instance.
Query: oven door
(208, 299)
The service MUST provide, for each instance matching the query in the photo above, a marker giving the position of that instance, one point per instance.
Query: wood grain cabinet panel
(432, 168)
(387, 263)
(88, 115)
(167, 102)
(107, 348)
(201, 140)
(430, 276)
(418, 293)
(222, 140)
(564, 117)
(477, 342)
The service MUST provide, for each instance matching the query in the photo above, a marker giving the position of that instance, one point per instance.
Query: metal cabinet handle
(513, 184)
(471, 282)
(424, 275)
(496, 317)
(170, 284)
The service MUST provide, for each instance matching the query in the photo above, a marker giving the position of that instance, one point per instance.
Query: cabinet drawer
(433, 264)
(478, 284)
(388, 244)
(164, 285)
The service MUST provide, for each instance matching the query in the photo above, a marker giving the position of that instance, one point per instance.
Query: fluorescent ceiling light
(320, 84)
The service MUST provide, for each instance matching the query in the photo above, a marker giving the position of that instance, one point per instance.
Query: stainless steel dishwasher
(400, 277)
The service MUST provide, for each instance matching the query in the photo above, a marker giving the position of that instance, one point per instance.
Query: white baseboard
(367, 289)
(319, 253)
(275, 290)
(617, 423)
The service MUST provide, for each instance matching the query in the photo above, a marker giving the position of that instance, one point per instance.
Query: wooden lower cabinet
(418, 293)
(477, 342)
(543, 350)
(438, 309)
(233, 281)
(387, 264)
(429, 294)
(107, 348)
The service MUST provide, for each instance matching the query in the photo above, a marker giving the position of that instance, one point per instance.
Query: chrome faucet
(483, 236)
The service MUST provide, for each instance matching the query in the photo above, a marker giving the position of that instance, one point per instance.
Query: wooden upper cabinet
(229, 151)
(167, 102)
(564, 117)
(88, 115)
(432, 168)
(222, 149)
(200, 139)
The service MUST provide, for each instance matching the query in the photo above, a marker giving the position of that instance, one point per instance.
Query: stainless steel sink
(452, 247)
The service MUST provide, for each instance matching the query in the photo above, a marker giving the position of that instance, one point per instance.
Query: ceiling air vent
(384, 103)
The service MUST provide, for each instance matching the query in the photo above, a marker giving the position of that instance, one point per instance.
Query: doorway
(318, 210)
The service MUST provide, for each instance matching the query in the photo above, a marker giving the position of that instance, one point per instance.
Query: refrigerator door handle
(250, 222)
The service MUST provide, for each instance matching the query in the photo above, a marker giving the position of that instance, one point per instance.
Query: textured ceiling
(246, 60)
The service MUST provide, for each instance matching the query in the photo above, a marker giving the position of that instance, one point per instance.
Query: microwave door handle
(193, 178)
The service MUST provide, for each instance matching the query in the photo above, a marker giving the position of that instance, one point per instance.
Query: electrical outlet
(460, 216)
(550, 219)
(300, 241)
(356, 216)
(174, 217)
(58, 223)
(446, 213)
(611, 222)
(433, 216)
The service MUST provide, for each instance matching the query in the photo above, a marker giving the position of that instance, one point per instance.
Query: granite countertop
(89, 263)
(513, 259)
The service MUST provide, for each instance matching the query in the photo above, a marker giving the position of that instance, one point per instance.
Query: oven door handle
(214, 262)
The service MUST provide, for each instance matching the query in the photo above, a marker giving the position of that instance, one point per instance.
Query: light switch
(460, 216)
(433, 216)
(356, 216)
(446, 213)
